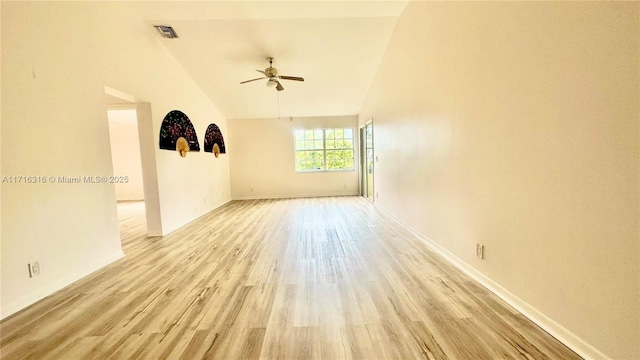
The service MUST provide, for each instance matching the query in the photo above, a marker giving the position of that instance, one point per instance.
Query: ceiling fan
(271, 73)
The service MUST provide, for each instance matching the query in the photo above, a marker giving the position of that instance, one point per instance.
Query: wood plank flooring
(322, 278)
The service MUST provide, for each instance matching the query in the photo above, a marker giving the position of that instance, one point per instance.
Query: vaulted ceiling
(335, 45)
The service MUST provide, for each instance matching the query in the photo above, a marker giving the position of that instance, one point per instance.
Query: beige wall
(516, 125)
(125, 154)
(57, 59)
(262, 159)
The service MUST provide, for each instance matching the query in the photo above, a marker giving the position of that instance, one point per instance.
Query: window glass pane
(304, 166)
(318, 133)
(336, 160)
(349, 155)
(339, 133)
(317, 160)
(299, 145)
(331, 144)
(348, 133)
(308, 134)
(318, 144)
(309, 145)
(348, 159)
(348, 144)
(309, 161)
(330, 134)
(299, 134)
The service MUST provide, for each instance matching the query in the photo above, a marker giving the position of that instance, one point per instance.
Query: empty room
(319, 180)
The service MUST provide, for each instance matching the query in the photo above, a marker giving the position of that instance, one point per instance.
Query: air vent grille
(166, 31)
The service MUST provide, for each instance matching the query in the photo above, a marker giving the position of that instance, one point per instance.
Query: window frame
(323, 149)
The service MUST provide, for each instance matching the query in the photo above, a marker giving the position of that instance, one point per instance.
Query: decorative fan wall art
(177, 133)
(213, 140)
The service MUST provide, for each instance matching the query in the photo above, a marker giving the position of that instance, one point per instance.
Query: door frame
(364, 174)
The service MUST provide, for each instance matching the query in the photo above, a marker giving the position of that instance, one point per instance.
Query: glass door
(366, 161)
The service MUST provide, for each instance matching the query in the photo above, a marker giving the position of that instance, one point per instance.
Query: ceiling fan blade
(244, 82)
(261, 71)
(279, 86)
(296, 78)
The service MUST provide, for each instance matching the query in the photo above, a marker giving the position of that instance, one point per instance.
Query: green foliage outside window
(324, 149)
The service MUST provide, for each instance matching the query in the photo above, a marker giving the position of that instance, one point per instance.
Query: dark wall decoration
(213, 140)
(177, 125)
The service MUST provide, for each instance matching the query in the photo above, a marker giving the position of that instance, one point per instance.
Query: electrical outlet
(34, 269)
(480, 251)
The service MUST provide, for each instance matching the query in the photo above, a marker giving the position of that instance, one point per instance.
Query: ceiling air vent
(166, 31)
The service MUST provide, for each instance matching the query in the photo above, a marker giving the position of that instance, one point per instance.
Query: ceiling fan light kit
(272, 83)
(271, 74)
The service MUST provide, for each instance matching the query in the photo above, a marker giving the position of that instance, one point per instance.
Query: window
(324, 149)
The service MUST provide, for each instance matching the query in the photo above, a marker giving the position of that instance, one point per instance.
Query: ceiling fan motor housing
(271, 72)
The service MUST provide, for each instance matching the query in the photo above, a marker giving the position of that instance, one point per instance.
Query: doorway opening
(366, 161)
(125, 154)
(133, 159)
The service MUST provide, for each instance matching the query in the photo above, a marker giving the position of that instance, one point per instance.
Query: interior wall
(125, 154)
(263, 160)
(515, 125)
(1, 173)
(57, 59)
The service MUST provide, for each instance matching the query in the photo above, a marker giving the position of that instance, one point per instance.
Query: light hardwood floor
(323, 278)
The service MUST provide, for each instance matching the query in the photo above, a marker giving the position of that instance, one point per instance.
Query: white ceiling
(335, 45)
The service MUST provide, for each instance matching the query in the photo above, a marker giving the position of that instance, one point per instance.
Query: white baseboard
(292, 196)
(26, 301)
(568, 338)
